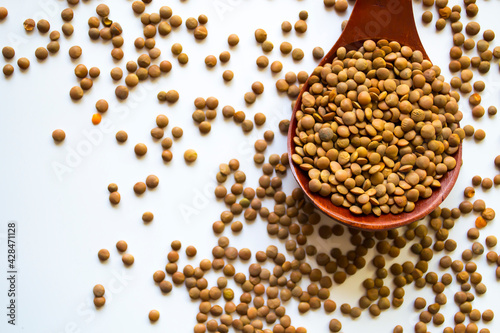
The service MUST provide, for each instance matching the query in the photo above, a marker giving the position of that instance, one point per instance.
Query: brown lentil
(103, 255)
(152, 181)
(318, 53)
(300, 26)
(43, 26)
(286, 47)
(8, 52)
(228, 75)
(177, 132)
(29, 24)
(3, 13)
(224, 56)
(24, 63)
(98, 290)
(128, 259)
(58, 135)
(8, 69)
(297, 54)
(262, 61)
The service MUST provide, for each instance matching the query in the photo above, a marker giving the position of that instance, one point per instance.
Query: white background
(63, 221)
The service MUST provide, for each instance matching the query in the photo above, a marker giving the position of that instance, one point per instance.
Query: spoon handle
(382, 19)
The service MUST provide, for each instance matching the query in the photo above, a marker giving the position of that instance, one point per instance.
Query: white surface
(64, 222)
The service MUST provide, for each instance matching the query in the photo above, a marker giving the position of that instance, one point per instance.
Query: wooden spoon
(374, 19)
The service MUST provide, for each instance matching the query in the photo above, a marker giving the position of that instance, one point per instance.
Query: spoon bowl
(374, 19)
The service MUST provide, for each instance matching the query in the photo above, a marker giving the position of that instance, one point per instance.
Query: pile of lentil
(377, 130)
(294, 220)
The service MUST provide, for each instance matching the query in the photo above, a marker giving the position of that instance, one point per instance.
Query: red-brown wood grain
(374, 19)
